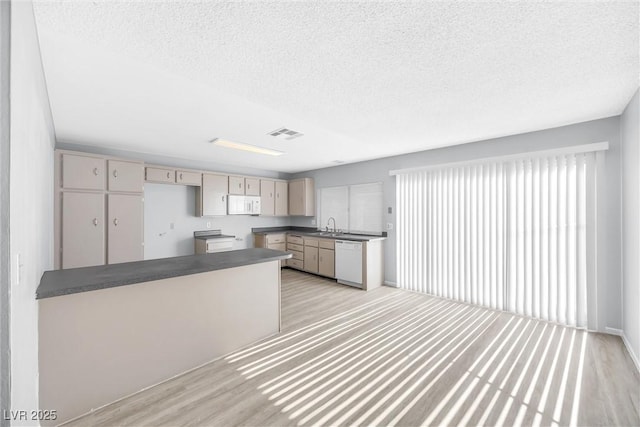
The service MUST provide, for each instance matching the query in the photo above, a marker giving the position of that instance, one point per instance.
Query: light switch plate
(389, 226)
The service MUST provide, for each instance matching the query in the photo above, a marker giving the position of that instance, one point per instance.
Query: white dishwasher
(349, 263)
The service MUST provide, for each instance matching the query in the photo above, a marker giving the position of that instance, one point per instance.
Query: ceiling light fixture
(246, 147)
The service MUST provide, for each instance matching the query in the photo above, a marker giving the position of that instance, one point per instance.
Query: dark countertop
(75, 280)
(310, 232)
(270, 230)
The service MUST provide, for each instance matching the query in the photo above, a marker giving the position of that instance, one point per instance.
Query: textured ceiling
(360, 80)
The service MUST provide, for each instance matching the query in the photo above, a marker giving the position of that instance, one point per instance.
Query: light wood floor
(390, 357)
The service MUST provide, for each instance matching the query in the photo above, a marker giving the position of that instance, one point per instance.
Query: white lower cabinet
(82, 229)
(311, 259)
(326, 262)
(125, 228)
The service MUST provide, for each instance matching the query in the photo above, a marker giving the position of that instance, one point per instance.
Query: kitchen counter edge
(76, 280)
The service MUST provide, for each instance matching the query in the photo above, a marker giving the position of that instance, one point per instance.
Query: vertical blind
(509, 235)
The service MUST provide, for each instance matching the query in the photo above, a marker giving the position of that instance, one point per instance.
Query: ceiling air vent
(284, 133)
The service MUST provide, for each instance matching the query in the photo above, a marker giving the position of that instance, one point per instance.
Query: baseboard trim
(614, 331)
(388, 283)
(634, 357)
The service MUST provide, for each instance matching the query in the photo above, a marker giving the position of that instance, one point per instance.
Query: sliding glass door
(510, 235)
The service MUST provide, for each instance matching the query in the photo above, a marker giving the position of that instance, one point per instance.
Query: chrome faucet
(334, 224)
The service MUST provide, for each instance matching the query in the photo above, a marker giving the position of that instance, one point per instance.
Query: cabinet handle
(223, 198)
(95, 221)
(95, 171)
(115, 173)
(168, 174)
(239, 185)
(270, 194)
(278, 195)
(115, 222)
(180, 177)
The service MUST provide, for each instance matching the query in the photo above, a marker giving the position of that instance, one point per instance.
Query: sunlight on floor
(439, 362)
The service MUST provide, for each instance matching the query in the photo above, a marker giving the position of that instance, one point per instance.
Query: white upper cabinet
(252, 186)
(302, 197)
(82, 172)
(282, 198)
(125, 176)
(213, 195)
(267, 197)
(236, 185)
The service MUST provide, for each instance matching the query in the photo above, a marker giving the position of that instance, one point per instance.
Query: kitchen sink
(327, 233)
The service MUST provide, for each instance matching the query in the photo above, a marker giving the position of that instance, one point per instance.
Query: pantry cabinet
(125, 228)
(82, 224)
(98, 210)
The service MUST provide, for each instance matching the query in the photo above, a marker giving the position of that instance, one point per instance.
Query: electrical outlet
(313, 222)
(389, 226)
(208, 224)
(171, 226)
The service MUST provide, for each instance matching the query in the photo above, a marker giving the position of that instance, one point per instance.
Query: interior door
(83, 230)
(126, 228)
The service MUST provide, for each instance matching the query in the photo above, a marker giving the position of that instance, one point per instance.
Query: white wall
(609, 310)
(175, 204)
(629, 124)
(31, 198)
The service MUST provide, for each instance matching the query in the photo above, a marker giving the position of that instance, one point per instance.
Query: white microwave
(243, 205)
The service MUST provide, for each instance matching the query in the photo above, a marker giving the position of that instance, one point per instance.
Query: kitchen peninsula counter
(108, 331)
(75, 280)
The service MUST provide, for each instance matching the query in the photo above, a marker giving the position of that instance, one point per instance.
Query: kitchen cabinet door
(126, 176)
(189, 178)
(83, 229)
(301, 197)
(160, 175)
(213, 195)
(236, 185)
(326, 262)
(311, 259)
(252, 186)
(82, 172)
(281, 199)
(125, 228)
(267, 197)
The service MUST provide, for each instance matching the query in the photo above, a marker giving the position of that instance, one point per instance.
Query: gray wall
(609, 269)
(5, 351)
(629, 125)
(31, 199)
